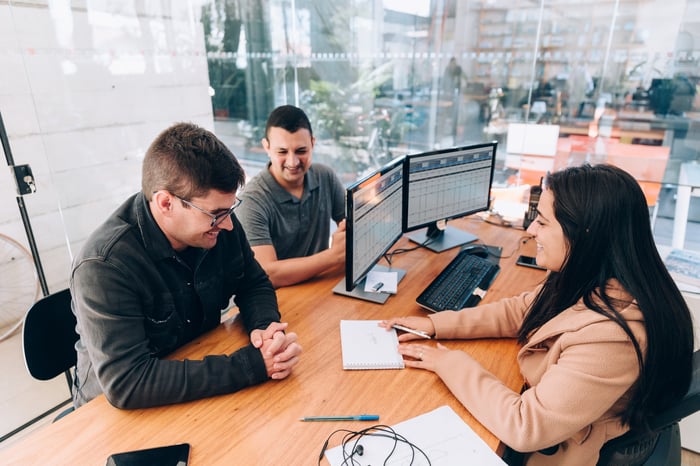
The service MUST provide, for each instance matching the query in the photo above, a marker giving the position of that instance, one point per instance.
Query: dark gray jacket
(136, 300)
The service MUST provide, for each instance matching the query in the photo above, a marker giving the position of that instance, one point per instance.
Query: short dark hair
(189, 161)
(605, 219)
(289, 118)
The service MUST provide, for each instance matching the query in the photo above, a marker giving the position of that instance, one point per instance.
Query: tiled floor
(23, 398)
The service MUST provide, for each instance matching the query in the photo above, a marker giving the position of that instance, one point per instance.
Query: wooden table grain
(260, 425)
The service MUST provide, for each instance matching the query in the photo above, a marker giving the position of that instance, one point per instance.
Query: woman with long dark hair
(607, 339)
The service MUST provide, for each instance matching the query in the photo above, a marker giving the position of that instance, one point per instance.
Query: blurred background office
(86, 85)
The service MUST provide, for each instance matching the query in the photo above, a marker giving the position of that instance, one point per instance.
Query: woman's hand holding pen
(422, 324)
(419, 356)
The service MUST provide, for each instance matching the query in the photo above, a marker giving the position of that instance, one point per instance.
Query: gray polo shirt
(295, 227)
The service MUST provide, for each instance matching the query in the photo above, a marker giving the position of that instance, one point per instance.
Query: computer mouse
(478, 250)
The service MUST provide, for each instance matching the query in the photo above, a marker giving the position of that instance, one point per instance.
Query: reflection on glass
(380, 79)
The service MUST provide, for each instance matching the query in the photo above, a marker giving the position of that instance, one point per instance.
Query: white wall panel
(12, 81)
(86, 86)
(8, 38)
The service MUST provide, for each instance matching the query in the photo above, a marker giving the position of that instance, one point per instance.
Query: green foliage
(324, 103)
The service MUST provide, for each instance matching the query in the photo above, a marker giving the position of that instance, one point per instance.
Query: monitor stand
(441, 240)
(359, 291)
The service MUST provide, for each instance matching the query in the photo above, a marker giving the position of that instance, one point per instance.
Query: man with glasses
(289, 205)
(159, 272)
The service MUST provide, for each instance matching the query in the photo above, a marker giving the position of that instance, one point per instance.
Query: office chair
(661, 445)
(48, 338)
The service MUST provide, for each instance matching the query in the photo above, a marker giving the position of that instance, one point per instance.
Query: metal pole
(25, 185)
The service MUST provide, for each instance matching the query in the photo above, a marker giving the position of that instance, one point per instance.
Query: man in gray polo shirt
(288, 206)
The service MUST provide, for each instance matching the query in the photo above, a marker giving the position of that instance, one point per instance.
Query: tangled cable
(352, 440)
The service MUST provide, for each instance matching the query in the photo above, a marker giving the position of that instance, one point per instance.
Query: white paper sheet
(441, 434)
(388, 281)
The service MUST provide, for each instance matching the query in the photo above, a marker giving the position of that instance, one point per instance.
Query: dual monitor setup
(415, 194)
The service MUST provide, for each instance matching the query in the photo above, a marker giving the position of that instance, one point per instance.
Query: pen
(410, 330)
(361, 417)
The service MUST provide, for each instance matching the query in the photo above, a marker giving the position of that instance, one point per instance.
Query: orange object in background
(647, 164)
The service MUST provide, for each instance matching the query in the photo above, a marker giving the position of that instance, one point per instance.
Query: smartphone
(528, 261)
(170, 455)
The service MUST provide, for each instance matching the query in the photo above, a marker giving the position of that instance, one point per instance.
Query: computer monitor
(442, 185)
(373, 225)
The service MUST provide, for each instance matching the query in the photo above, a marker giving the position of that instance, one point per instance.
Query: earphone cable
(379, 430)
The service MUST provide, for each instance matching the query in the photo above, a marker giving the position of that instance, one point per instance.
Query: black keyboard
(463, 283)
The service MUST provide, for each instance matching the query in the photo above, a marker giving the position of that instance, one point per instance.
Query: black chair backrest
(687, 406)
(48, 336)
(661, 443)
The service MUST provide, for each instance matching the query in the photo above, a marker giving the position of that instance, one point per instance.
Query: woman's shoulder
(614, 294)
(582, 323)
(581, 314)
(617, 292)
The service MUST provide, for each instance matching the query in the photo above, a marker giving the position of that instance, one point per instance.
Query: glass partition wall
(380, 79)
(85, 87)
(558, 52)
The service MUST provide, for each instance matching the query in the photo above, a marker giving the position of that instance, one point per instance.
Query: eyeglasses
(216, 219)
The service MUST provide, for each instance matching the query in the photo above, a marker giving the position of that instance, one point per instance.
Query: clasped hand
(279, 350)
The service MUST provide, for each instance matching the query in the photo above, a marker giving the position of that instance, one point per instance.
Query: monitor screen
(373, 220)
(446, 184)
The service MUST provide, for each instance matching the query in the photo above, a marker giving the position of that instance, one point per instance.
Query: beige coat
(579, 367)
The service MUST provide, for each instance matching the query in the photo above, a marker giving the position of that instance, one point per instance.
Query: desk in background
(260, 425)
(647, 164)
(626, 132)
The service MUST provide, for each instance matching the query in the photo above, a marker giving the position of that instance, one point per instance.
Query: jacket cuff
(252, 364)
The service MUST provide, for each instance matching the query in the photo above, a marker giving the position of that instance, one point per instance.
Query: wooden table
(260, 425)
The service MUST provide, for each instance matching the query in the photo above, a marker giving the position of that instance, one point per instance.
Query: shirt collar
(281, 195)
(154, 240)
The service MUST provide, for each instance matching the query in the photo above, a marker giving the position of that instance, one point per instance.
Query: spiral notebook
(366, 345)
